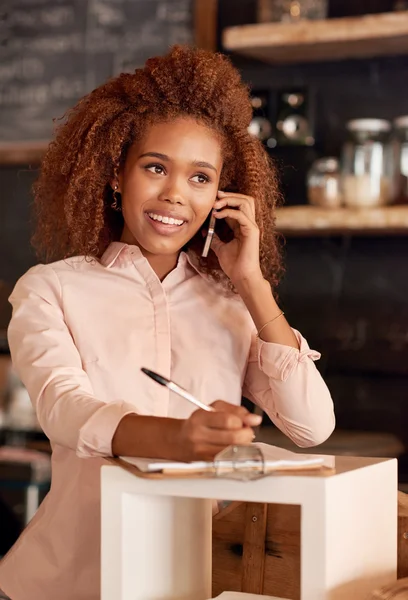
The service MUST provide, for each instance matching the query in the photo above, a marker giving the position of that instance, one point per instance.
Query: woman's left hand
(239, 259)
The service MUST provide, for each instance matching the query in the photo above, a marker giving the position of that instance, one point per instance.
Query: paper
(241, 596)
(275, 459)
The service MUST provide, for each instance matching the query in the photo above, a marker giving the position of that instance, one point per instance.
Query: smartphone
(209, 237)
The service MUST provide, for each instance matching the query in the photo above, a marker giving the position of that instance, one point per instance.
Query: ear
(117, 181)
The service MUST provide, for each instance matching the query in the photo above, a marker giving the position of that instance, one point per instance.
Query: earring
(116, 199)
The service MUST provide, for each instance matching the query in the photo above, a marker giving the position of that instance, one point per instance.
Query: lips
(165, 222)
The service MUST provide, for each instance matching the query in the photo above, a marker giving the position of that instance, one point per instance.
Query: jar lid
(375, 125)
(401, 121)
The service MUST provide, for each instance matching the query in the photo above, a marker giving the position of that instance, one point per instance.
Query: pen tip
(154, 376)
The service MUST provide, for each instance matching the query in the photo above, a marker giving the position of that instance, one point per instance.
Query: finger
(222, 420)
(237, 216)
(240, 203)
(221, 437)
(252, 420)
(235, 409)
(248, 418)
(222, 194)
(216, 244)
(248, 199)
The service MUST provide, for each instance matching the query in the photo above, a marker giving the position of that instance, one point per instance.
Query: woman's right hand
(205, 434)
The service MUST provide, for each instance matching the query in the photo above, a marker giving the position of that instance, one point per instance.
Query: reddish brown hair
(73, 195)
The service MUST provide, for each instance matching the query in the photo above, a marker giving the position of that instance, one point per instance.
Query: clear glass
(323, 183)
(400, 148)
(292, 10)
(367, 177)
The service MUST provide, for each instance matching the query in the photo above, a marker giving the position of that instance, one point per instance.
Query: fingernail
(253, 419)
(220, 193)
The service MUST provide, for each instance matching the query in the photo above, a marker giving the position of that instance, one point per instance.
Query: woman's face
(169, 184)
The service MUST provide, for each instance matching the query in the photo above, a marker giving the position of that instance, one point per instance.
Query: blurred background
(327, 80)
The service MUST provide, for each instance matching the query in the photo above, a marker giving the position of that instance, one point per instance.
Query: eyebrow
(164, 157)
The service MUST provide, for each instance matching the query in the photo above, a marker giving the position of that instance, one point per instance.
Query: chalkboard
(55, 51)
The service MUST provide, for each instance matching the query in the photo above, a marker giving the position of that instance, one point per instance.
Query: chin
(163, 249)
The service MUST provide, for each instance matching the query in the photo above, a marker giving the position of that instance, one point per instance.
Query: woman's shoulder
(73, 263)
(47, 275)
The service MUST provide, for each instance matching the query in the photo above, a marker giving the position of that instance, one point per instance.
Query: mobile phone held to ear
(209, 237)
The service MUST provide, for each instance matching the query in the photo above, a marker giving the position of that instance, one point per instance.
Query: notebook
(242, 596)
(258, 458)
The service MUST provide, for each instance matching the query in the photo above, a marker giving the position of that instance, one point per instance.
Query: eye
(201, 178)
(157, 169)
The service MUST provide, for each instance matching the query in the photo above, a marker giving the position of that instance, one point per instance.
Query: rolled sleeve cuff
(279, 361)
(95, 437)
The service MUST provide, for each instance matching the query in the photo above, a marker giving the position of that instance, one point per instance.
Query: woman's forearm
(148, 437)
(258, 298)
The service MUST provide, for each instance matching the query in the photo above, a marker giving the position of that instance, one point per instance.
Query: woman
(123, 202)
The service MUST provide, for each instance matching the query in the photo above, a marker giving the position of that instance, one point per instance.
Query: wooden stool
(337, 557)
(402, 535)
(256, 549)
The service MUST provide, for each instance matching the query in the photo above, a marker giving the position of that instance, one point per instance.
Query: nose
(172, 193)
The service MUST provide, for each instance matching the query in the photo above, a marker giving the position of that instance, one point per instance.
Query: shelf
(22, 153)
(312, 221)
(332, 39)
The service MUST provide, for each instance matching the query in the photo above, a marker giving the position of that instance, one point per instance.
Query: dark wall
(348, 296)
(16, 254)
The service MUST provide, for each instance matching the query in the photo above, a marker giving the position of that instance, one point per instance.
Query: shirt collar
(112, 253)
(115, 250)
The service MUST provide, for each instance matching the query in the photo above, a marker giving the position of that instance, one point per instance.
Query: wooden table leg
(253, 558)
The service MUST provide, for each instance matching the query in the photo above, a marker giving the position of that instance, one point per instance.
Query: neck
(161, 265)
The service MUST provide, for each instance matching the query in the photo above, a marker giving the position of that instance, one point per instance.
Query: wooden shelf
(22, 153)
(312, 221)
(332, 39)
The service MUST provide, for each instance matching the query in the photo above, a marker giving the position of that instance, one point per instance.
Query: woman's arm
(201, 436)
(50, 366)
(286, 384)
(281, 376)
(266, 314)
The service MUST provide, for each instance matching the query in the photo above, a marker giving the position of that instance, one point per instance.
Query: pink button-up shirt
(80, 332)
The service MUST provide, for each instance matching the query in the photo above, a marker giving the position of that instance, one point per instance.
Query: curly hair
(73, 195)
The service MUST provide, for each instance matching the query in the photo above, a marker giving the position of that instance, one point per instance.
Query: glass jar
(291, 10)
(367, 165)
(323, 183)
(400, 144)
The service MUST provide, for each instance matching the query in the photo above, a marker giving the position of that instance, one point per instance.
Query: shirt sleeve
(49, 364)
(286, 384)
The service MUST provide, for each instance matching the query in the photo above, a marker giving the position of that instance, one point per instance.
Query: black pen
(177, 389)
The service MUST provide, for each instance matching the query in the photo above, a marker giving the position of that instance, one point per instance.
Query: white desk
(156, 534)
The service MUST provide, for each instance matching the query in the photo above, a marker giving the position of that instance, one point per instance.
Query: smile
(165, 224)
(165, 220)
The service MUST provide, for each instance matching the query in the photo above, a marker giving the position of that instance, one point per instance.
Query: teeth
(166, 220)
